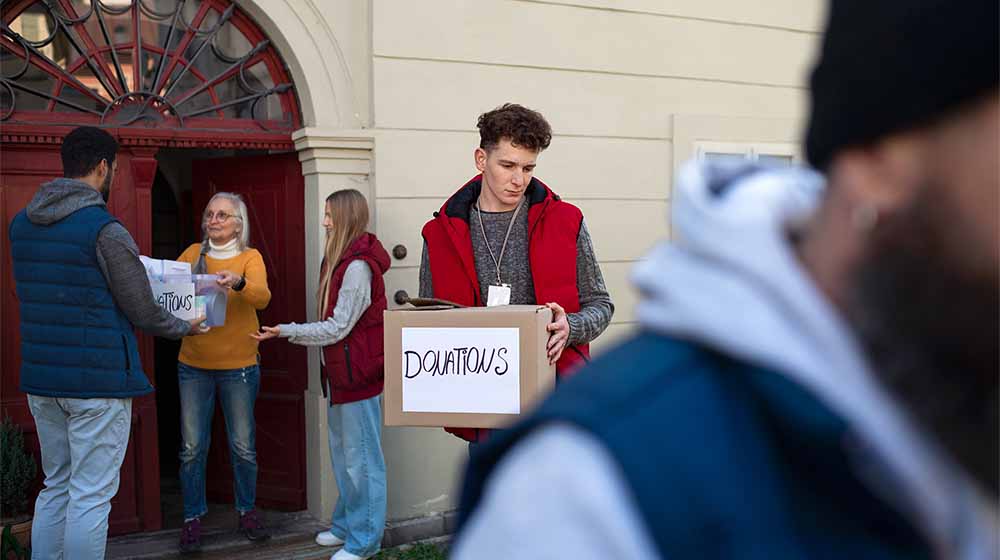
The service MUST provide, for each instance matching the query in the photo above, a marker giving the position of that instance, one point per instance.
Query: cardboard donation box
(475, 367)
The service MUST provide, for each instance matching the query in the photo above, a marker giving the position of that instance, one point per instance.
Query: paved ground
(295, 530)
(292, 540)
(299, 548)
(293, 535)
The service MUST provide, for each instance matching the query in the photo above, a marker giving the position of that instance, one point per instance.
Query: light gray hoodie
(117, 255)
(730, 281)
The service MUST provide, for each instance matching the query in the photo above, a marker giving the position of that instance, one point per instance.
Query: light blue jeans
(237, 390)
(83, 443)
(356, 453)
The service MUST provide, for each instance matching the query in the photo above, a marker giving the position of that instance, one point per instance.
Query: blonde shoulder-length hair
(349, 214)
(243, 221)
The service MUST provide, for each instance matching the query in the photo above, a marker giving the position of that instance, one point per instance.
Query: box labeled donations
(475, 367)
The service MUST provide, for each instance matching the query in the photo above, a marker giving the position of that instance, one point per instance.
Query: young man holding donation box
(507, 238)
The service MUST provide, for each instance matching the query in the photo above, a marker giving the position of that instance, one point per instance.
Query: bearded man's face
(106, 183)
(925, 301)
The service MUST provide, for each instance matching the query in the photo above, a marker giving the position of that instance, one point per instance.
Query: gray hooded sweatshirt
(117, 255)
(730, 281)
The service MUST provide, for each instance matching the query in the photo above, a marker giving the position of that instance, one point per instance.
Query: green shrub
(418, 551)
(17, 470)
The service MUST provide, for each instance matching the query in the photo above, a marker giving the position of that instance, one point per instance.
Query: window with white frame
(768, 153)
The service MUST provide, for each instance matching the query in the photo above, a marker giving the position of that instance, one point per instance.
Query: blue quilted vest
(75, 342)
(722, 459)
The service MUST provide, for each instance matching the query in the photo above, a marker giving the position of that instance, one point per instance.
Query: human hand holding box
(207, 298)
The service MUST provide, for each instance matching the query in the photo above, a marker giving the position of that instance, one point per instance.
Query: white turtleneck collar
(225, 250)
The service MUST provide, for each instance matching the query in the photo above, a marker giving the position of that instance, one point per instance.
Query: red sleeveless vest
(354, 366)
(553, 228)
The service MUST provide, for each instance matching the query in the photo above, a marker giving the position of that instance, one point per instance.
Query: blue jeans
(356, 453)
(83, 443)
(237, 389)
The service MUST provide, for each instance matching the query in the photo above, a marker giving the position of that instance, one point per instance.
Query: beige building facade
(390, 91)
(388, 95)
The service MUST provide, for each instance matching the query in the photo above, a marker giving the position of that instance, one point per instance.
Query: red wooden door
(272, 187)
(136, 507)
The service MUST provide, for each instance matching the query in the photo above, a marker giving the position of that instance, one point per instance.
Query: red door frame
(136, 507)
(30, 155)
(273, 188)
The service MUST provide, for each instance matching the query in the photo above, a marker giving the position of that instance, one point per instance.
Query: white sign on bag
(177, 294)
(466, 370)
(177, 298)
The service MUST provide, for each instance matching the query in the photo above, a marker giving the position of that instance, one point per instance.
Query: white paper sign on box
(461, 370)
(176, 297)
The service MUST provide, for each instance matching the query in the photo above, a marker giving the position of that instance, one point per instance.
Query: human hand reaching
(266, 333)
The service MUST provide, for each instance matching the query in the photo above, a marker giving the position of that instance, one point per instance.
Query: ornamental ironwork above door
(195, 64)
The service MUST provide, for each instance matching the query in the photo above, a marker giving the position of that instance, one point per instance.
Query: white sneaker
(344, 555)
(326, 538)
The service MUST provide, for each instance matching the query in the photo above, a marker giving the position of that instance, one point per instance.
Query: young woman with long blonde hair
(350, 301)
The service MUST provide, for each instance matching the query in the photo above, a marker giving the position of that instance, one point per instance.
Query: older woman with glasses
(223, 362)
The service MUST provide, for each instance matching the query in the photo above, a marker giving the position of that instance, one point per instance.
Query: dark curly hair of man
(84, 148)
(523, 127)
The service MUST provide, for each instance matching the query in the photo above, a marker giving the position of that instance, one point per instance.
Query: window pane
(724, 157)
(775, 160)
(34, 78)
(111, 63)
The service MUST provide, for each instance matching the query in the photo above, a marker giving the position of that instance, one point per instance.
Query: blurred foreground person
(816, 374)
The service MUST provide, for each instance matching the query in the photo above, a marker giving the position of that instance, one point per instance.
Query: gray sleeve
(353, 299)
(596, 308)
(581, 504)
(426, 287)
(118, 257)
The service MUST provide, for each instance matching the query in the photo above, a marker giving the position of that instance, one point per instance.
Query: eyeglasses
(220, 216)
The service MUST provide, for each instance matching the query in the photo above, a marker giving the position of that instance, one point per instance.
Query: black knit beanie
(890, 65)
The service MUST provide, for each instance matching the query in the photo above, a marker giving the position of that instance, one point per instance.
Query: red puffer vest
(354, 366)
(553, 228)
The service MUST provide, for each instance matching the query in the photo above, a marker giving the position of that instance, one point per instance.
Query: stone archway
(155, 73)
(330, 62)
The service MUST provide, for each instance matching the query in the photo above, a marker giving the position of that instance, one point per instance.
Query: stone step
(292, 538)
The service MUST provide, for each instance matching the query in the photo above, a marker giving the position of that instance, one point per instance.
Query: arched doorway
(189, 81)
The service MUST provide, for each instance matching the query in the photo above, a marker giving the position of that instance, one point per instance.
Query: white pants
(83, 444)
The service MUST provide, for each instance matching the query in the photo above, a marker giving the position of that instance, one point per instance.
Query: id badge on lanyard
(498, 295)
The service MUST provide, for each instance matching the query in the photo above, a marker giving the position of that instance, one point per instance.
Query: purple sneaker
(191, 536)
(252, 528)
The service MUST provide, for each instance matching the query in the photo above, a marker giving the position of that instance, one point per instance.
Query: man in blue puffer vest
(82, 290)
(816, 372)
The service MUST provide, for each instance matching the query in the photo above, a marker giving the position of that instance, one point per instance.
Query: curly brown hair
(523, 127)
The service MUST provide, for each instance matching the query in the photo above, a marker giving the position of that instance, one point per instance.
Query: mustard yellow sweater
(230, 346)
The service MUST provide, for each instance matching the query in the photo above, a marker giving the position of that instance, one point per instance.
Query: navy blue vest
(75, 342)
(723, 460)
